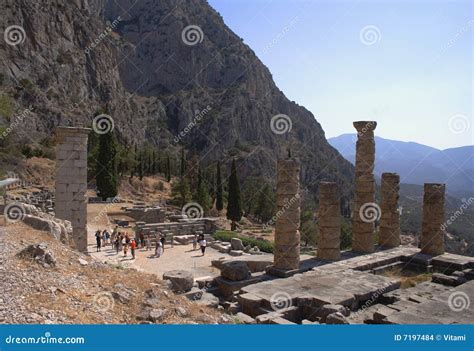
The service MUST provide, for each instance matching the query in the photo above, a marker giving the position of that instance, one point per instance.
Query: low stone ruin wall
(183, 227)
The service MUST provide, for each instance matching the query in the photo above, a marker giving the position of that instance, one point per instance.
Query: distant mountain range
(417, 163)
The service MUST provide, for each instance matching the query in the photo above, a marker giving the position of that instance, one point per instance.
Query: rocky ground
(64, 286)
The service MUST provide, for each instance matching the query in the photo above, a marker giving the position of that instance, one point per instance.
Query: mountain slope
(138, 69)
(417, 163)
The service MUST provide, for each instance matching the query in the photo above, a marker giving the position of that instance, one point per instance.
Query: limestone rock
(235, 270)
(181, 280)
(236, 244)
(39, 253)
(336, 318)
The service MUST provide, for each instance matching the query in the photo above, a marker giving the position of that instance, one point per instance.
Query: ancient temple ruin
(390, 216)
(71, 181)
(363, 228)
(329, 222)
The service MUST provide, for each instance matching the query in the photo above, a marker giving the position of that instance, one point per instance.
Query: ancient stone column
(390, 220)
(364, 201)
(329, 221)
(287, 235)
(71, 181)
(432, 230)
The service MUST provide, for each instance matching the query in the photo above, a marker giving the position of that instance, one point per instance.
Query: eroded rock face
(181, 280)
(66, 76)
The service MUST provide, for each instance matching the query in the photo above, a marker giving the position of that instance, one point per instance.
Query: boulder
(235, 270)
(328, 309)
(39, 253)
(236, 253)
(336, 318)
(181, 280)
(236, 244)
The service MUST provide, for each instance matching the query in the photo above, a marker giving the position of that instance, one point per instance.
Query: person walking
(159, 249)
(120, 243)
(195, 242)
(98, 240)
(148, 243)
(133, 246)
(162, 241)
(125, 242)
(202, 244)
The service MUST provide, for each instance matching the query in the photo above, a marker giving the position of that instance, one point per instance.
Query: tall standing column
(71, 181)
(329, 221)
(432, 230)
(287, 235)
(390, 220)
(363, 227)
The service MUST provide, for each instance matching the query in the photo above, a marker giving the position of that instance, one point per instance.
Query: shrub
(263, 245)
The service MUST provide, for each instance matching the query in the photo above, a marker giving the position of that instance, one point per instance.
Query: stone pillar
(390, 220)
(287, 235)
(71, 181)
(329, 221)
(362, 226)
(432, 230)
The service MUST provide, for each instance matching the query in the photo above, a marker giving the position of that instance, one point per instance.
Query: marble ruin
(362, 229)
(71, 181)
(287, 235)
(432, 233)
(329, 241)
(390, 217)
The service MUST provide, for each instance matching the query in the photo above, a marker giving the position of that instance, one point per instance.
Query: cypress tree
(219, 192)
(168, 169)
(107, 178)
(234, 203)
(182, 168)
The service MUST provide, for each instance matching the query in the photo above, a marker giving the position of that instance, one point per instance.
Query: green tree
(180, 192)
(182, 165)
(234, 202)
(107, 179)
(219, 191)
(168, 169)
(265, 204)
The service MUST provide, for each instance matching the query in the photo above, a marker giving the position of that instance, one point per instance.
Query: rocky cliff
(205, 90)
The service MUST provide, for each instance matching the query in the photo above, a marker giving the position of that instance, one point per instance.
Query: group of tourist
(122, 242)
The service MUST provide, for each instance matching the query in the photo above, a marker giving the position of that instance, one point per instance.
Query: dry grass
(408, 279)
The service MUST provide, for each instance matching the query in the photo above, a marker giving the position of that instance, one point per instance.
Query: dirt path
(177, 257)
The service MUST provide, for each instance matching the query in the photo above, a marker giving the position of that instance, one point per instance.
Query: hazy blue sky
(414, 75)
